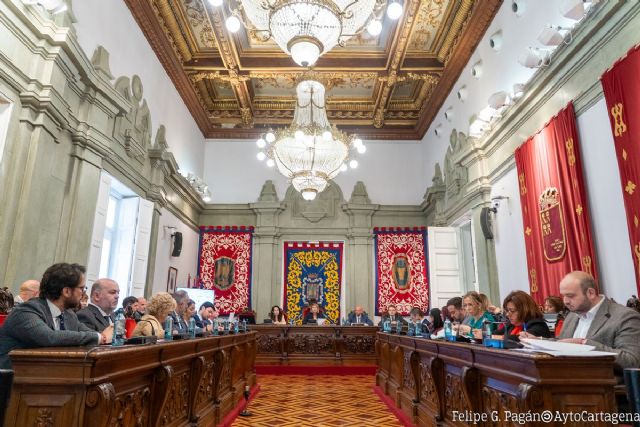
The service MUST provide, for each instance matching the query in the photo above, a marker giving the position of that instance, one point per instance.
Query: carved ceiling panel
(384, 87)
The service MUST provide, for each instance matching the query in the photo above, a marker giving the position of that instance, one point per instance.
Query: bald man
(28, 289)
(596, 320)
(103, 300)
(359, 317)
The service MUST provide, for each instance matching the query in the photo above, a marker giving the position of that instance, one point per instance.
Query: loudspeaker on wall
(486, 221)
(177, 244)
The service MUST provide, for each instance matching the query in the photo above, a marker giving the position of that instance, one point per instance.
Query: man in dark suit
(182, 301)
(103, 300)
(205, 315)
(596, 320)
(358, 316)
(49, 321)
(392, 316)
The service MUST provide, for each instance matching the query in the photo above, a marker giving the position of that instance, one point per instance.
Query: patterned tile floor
(317, 401)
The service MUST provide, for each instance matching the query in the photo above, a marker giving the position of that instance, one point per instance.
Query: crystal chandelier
(310, 151)
(306, 29)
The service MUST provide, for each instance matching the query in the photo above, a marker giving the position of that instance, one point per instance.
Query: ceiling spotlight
(215, 3)
(534, 58)
(375, 27)
(519, 7)
(233, 24)
(499, 100)
(476, 70)
(551, 36)
(438, 130)
(518, 90)
(495, 41)
(394, 10)
(575, 9)
(448, 114)
(462, 93)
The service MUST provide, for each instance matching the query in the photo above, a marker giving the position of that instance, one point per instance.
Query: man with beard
(49, 321)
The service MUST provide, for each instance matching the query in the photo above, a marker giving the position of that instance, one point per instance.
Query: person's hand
(477, 334)
(107, 335)
(573, 340)
(463, 329)
(524, 334)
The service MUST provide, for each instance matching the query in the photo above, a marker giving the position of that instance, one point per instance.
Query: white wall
(608, 217)
(110, 24)
(186, 263)
(391, 171)
(511, 257)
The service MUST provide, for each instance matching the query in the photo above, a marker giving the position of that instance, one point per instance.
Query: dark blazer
(309, 318)
(364, 318)
(30, 325)
(200, 323)
(396, 318)
(614, 328)
(537, 327)
(92, 318)
(178, 323)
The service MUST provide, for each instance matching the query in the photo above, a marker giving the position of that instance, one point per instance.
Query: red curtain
(554, 205)
(622, 92)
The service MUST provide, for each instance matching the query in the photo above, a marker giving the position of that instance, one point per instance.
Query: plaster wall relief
(72, 121)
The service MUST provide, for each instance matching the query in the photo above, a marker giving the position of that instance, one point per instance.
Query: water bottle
(244, 325)
(417, 329)
(399, 327)
(225, 327)
(236, 326)
(215, 330)
(192, 327)
(119, 330)
(410, 328)
(387, 326)
(448, 330)
(486, 332)
(168, 327)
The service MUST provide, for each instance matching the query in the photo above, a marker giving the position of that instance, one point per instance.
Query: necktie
(358, 319)
(61, 322)
(108, 319)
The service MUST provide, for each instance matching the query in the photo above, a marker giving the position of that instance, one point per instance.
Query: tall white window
(120, 240)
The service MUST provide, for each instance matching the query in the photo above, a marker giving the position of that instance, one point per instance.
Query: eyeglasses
(510, 311)
(84, 288)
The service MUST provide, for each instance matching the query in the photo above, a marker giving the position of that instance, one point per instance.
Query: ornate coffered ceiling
(384, 87)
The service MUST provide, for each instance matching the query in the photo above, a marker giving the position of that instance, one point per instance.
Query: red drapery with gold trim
(622, 92)
(554, 205)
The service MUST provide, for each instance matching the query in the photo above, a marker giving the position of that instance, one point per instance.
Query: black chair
(6, 381)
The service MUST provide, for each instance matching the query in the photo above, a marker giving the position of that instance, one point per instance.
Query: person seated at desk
(178, 314)
(158, 309)
(477, 312)
(392, 316)
(131, 308)
(313, 315)
(455, 311)
(554, 305)
(277, 316)
(205, 316)
(523, 315)
(104, 300)
(435, 321)
(49, 321)
(358, 317)
(417, 318)
(596, 320)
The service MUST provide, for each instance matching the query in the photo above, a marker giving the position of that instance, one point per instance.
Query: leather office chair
(6, 381)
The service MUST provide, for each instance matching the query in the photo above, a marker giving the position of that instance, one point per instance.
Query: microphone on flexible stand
(247, 393)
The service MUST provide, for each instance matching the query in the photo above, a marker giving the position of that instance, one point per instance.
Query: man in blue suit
(358, 316)
(49, 321)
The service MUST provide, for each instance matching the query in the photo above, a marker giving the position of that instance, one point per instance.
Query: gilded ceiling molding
(462, 15)
(163, 11)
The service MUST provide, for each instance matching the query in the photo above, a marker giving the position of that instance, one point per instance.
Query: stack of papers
(558, 348)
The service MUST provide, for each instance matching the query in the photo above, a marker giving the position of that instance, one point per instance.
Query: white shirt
(55, 312)
(585, 320)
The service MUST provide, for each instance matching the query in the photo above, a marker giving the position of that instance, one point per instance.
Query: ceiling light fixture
(535, 58)
(551, 36)
(307, 29)
(575, 9)
(310, 151)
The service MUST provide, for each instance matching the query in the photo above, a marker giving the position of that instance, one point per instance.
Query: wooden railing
(192, 382)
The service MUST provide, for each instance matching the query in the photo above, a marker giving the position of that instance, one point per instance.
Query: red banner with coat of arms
(555, 217)
(225, 266)
(622, 92)
(401, 269)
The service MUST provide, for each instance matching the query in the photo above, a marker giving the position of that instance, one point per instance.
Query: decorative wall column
(266, 245)
(359, 259)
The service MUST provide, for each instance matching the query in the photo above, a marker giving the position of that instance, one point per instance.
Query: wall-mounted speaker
(177, 244)
(486, 222)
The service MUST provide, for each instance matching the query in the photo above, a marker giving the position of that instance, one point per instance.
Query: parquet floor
(317, 401)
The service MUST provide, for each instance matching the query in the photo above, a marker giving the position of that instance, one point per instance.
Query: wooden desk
(181, 383)
(309, 345)
(430, 380)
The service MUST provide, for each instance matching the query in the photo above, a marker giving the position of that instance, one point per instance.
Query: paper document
(548, 345)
